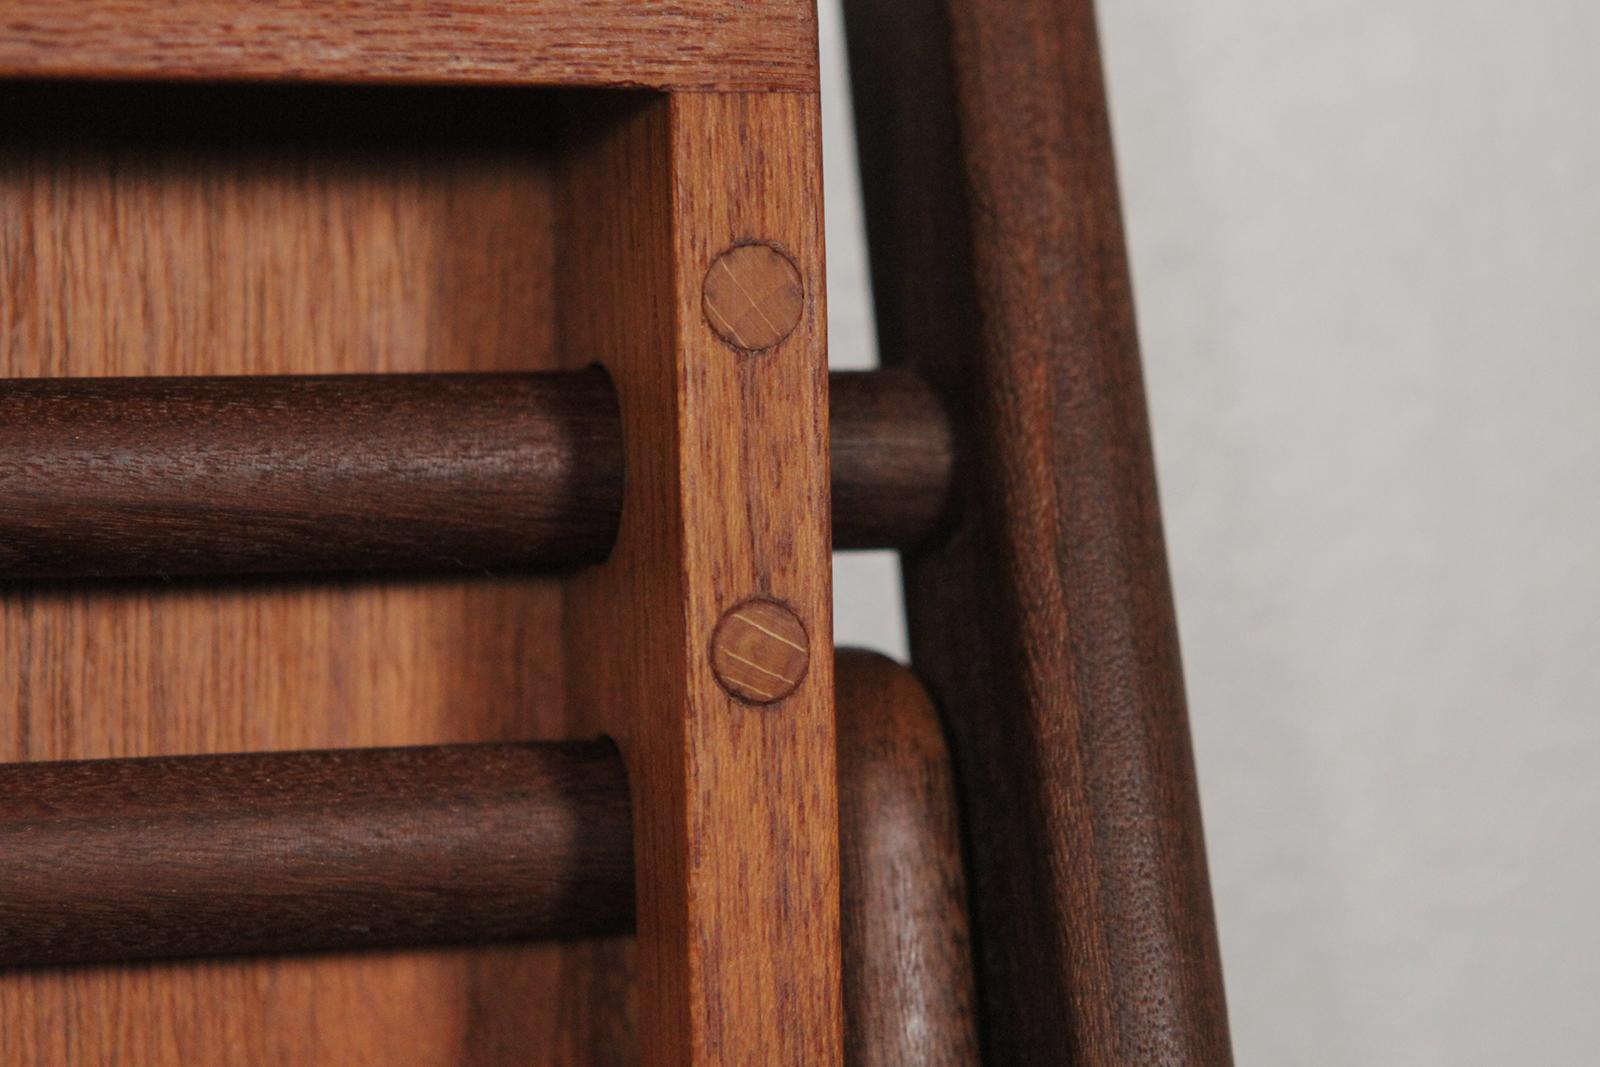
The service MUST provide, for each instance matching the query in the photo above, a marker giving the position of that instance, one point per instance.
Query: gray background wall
(1366, 249)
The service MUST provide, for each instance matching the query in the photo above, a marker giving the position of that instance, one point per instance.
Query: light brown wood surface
(726, 498)
(699, 44)
(248, 229)
(753, 296)
(204, 230)
(760, 651)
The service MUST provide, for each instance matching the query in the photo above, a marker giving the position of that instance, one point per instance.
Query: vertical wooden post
(1044, 622)
(694, 272)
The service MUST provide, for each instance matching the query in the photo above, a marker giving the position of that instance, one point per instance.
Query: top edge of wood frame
(709, 45)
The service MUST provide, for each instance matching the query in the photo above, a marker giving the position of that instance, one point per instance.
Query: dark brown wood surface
(445, 472)
(283, 852)
(908, 979)
(1044, 621)
(117, 860)
(892, 459)
(685, 44)
(158, 476)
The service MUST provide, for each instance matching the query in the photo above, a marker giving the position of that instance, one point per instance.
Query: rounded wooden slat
(287, 851)
(1043, 623)
(437, 472)
(110, 860)
(908, 980)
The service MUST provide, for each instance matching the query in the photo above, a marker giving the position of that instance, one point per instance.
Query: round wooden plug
(759, 651)
(753, 296)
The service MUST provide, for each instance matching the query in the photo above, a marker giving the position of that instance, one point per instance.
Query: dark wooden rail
(159, 476)
(1044, 624)
(278, 852)
(106, 860)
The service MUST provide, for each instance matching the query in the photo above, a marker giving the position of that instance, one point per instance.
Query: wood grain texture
(448, 472)
(442, 472)
(286, 852)
(753, 296)
(1044, 622)
(892, 458)
(700, 44)
(736, 818)
(112, 860)
(908, 979)
(155, 230)
(760, 651)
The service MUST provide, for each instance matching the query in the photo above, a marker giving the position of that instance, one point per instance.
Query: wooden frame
(704, 45)
(726, 503)
(553, 185)
(1000, 274)
(628, 201)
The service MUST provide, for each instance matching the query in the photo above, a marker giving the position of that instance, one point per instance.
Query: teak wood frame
(725, 501)
(725, 497)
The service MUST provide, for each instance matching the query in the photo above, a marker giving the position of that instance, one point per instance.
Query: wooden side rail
(158, 476)
(278, 852)
(109, 860)
(1044, 623)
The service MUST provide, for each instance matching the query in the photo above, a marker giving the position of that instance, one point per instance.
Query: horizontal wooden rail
(176, 476)
(107, 860)
(275, 852)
